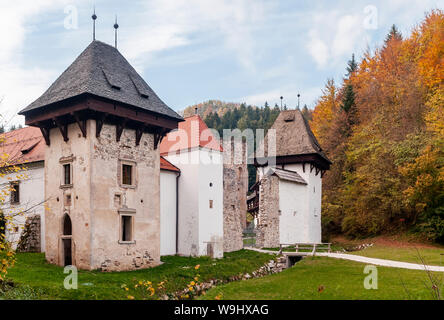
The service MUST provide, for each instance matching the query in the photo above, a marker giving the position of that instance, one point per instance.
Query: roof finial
(281, 101)
(94, 17)
(116, 26)
(298, 99)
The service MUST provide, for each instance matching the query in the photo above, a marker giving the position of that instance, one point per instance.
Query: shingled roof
(101, 70)
(293, 137)
(288, 175)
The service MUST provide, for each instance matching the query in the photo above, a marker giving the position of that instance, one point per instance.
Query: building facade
(287, 196)
(196, 151)
(25, 149)
(102, 125)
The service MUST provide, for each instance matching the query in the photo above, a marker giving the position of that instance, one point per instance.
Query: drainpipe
(177, 212)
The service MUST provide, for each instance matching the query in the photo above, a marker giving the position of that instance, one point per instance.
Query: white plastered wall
(199, 224)
(168, 212)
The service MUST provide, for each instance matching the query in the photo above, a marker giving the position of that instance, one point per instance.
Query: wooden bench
(307, 246)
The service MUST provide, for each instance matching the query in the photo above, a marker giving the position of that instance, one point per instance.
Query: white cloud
(318, 49)
(20, 85)
(334, 36)
(172, 23)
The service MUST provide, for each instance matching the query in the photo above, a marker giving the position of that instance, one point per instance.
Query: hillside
(207, 107)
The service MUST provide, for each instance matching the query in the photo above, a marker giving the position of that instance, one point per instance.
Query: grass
(431, 256)
(327, 278)
(34, 278)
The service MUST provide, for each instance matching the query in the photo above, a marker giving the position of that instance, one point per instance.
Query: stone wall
(235, 177)
(268, 217)
(97, 199)
(30, 237)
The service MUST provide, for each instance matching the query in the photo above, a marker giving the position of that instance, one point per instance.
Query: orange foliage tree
(388, 154)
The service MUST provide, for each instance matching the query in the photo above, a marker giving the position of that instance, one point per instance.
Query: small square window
(15, 192)
(127, 174)
(127, 228)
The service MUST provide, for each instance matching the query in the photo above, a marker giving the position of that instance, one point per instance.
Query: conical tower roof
(295, 142)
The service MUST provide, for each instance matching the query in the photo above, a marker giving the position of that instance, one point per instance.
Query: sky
(190, 51)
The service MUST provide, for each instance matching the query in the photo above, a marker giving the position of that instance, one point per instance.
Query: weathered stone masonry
(268, 217)
(30, 237)
(235, 177)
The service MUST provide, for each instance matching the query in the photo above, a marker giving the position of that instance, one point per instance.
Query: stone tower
(235, 194)
(102, 124)
(287, 197)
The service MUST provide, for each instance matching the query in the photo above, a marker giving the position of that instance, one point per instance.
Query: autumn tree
(388, 164)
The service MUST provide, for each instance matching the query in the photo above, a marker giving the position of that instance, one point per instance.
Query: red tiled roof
(166, 165)
(189, 135)
(23, 145)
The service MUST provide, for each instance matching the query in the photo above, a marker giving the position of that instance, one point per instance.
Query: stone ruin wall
(235, 179)
(267, 235)
(30, 237)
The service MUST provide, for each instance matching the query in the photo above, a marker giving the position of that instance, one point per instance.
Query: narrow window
(211, 204)
(127, 178)
(127, 228)
(15, 193)
(67, 174)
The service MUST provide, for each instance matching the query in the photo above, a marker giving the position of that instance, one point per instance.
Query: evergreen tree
(394, 33)
(352, 66)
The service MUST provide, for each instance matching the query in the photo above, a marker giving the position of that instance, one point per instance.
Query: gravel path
(374, 261)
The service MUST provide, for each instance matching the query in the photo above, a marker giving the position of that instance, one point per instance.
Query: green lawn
(431, 256)
(340, 279)
(36, 279)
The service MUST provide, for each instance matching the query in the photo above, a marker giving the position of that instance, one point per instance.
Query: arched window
(67, 227)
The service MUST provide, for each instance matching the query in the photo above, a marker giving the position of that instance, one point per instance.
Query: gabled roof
(23, 145)
(293, 137)
(168, 166)
(288, 175)
(101, 70)
(189, 135)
